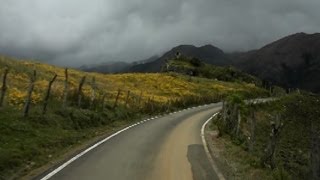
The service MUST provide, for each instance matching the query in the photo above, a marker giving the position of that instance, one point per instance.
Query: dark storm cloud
(75, 32)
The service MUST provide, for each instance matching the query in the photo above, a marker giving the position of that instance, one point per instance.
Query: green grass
(292, 155)
(201, 69)
(29, 143)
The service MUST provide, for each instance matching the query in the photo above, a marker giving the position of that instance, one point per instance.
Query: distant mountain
(208, 53)
(150, 59)
(111, 67)
(115, 67)
(293, 62)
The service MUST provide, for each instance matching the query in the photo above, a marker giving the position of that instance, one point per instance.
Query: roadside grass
(293, 149)
(28, 143)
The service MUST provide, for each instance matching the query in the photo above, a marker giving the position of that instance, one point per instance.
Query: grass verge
(292, 157)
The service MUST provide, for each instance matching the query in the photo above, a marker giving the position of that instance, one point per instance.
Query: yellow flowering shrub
(160, 87)
(16, 97)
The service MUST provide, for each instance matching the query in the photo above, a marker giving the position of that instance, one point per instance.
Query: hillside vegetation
(276, 140)
(27, 143)
(160, 87)
(197, 67)
(208, 53)
(292, 62)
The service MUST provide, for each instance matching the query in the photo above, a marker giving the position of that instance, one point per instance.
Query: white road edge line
(58, 169)
(214, 166)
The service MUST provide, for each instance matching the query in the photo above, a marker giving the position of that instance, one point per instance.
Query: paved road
(167, 148)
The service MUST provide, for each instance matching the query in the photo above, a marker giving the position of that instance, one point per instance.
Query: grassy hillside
(162, 87)
(291, 125)
(197, 67)
(29, 143)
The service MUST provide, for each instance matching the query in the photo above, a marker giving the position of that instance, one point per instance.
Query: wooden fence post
(66, 89)
(127, 99)
(252, 128)
(169, 105)
(147, 104)
(238, 123)
(4, 86)
(103, 101)
(83, 79)
(29, 95)
(276, 128)
(46, 99)
(139, 101)
(152, 108)
(315, 150)
(224, 110)
(93, 94)
(117, 98)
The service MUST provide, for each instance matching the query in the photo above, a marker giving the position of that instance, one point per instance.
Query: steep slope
(160, 87)
(293, 62)
(298, 131)
(29, 142)
(208, 53)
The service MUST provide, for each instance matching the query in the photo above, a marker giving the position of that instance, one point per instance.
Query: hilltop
(208, 53)
(198, 68)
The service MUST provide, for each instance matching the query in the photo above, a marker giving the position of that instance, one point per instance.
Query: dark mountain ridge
(291, 62)
(115, 67)
(110, 67)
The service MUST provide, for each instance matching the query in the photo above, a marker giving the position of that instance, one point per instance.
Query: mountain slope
(172, 86)
(112, 67)
(208, 53)
(29, 142)
(115, 67)
(293, 62)
(195, 67)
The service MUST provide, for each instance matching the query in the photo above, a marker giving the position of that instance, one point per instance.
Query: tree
(196, 62)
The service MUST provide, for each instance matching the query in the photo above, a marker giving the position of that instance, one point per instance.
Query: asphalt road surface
(167, 148)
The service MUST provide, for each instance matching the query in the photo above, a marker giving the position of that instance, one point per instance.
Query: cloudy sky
(76, 32)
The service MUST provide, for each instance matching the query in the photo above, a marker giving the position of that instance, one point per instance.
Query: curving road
(167, 148)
